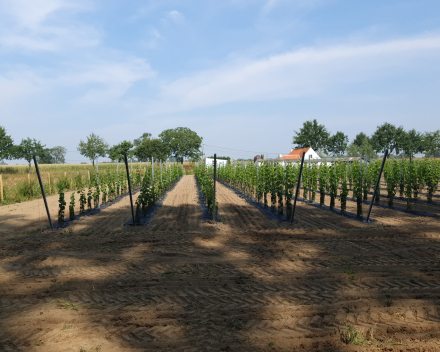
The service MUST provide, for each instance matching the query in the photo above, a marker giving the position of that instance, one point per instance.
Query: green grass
(65, 305)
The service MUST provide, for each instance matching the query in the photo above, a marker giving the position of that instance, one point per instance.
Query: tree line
(386, 136)
(180, 143)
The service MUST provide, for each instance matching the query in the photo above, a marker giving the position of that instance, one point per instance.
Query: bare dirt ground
(251, 284)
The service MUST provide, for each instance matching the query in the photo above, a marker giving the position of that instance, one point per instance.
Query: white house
(220, 162)
(296, 154)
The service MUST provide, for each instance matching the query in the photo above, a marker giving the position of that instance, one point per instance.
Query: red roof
(295, 154)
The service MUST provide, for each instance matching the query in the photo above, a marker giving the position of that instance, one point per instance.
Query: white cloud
(44, 25)
(294, 74)
(176, 16)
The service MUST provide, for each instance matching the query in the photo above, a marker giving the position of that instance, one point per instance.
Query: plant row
(205, 178)
(165, 177)
(275, 183)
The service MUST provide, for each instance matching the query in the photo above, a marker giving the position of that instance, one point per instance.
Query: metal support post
(214, 204)
(42, 192)
(298, 186)
(129, 189)
(377, 184)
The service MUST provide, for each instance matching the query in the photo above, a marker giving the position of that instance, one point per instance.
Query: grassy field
(21, 184)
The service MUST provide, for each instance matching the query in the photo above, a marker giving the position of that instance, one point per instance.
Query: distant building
(220, 162)
(296, 154)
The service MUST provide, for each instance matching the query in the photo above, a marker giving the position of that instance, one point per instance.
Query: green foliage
(72, 207)
(182, 142)
(152, 148)
(312, 135)
(323, 180)
(391, 173)
(62, 206)
(337, 144)
(82, 201)
(412, 142)
(138, 141)
(93, 148)
(54, 155)
(118, 152)
(431, 143)
(6, 145)
(333, 184)
(205, 178)
(360, 139)
(150, 191)
(357, 185)
(344, 190)
(365, 150)
(387, 136)
(27, 149)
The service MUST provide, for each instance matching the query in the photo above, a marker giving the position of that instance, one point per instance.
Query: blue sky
(244, 74)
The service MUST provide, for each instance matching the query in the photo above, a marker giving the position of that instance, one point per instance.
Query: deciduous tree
(182, 142)
(6, 145)
(431, 143)
(312, 135)
(337, 144)
(27, 149)
(152, 148)
(142, 138)
(93, 148)
(118, 151)
(387, 136)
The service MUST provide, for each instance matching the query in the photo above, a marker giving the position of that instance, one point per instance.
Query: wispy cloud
(299, 73)
(176, 16)
(44, 25)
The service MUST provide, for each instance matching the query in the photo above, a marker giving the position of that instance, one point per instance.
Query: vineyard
(254, 281)
(273, 183)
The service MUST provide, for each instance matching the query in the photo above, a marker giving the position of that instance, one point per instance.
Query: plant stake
(377, 184)
(129, 189)
(297, 186)
(42, 192)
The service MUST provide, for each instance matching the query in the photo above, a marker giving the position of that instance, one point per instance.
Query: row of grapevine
(275, 182)
(205, 178)
(153, 188)
(105, 187)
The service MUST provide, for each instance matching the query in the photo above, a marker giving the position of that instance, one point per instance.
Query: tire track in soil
(184, 286)
(180, 211)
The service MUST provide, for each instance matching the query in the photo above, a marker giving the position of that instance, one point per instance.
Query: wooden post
(1, 188)
(50, 188)
(65, 174)
(29, 179)
(88, 171)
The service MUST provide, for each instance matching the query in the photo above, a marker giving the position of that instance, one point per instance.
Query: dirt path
(251, 285)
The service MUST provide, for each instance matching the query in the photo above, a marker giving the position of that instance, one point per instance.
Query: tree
(337, 144)
(182, 142)
(118, 151)
(27, 149)
(93, 148)
(137, 142)
(152, 148)
(6, 145)
(364, 151)
(360, 139)
(431, 143)
(387, 136)
(54, 155)
(412, 142)
(353, 150)
(312, 135)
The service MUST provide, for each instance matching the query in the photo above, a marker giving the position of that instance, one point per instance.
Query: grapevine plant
(62, 206)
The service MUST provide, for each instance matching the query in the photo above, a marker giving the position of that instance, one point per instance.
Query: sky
(244, 74)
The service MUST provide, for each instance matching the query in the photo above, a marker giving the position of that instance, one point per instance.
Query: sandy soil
(250, 284)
